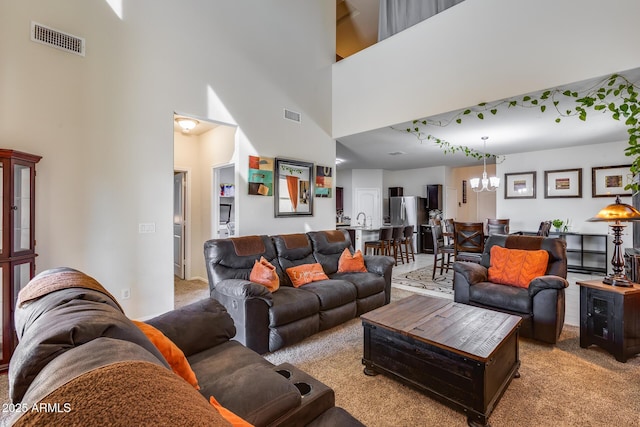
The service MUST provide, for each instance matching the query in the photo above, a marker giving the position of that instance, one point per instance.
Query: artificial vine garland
(614, 94)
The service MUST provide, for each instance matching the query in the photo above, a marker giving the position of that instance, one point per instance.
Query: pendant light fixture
(488, 184)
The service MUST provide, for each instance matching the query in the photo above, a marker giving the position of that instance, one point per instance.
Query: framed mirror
(293, 188)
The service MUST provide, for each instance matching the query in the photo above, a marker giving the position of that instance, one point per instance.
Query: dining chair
(468, 241)
(397, 235)
(407, 240)
(382, 246)
(440, 248)
(447, 231)
(497, 226)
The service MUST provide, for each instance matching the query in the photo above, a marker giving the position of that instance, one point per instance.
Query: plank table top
(470, 331)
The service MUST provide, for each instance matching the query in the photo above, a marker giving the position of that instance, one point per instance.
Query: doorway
(179, 223)
(224, 206)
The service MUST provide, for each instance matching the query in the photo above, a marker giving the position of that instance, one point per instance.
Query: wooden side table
(610, 318)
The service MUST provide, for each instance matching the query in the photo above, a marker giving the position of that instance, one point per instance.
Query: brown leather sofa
(267, 321)
(80, 361)
(541, 305)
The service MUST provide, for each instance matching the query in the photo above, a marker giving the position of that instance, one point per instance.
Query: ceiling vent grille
(292, 115)
(57, 39)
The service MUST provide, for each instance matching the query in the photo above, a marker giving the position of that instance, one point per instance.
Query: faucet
(364, 223)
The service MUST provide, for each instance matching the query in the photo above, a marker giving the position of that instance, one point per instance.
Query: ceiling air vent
(292, 115)
(57, 39)
(397, 153)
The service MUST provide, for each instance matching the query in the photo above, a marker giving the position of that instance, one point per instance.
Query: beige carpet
(560, 385)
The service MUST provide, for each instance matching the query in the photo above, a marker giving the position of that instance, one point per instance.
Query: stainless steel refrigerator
(409, 210)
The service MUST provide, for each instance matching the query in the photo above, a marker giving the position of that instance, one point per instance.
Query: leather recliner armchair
(541, 305)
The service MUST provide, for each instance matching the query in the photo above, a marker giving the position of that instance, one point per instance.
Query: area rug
(421, 278)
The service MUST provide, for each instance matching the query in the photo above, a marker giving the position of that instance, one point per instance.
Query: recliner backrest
(557, 249)
(233, 258)
(292, 250)
(328, 246)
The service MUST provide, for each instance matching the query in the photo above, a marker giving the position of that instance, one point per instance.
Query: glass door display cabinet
(17, 241)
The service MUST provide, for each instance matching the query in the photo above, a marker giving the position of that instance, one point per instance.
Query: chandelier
(488, 184)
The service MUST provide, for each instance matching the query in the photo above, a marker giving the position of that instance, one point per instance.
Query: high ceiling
(511, 130)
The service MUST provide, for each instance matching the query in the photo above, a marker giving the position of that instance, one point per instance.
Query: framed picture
(293, 188)
(520, 185)
(324, 181)
(260, 176)
(608, 181)
(563, 183)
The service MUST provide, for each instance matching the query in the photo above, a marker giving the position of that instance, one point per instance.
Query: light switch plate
(146, 227)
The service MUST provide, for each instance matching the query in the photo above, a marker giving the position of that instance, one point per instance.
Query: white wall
(526, 214)
(414, 181)
(104, 123)
(481, 51)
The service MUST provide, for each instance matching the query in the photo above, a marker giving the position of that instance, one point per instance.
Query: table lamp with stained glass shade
(617, 213)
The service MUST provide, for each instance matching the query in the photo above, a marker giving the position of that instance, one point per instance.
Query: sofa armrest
(472, 272)
(197, 326)
(377, 264)
(546, 282)
(248, 304)
(465, 275)
(243, 289)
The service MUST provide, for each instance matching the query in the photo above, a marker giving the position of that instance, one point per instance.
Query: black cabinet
(434, 197)
(396, 192)
(427, 239)
(610, 318)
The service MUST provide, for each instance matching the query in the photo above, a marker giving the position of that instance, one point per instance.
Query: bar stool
(408, 242)
(382, 246)
(396, 243)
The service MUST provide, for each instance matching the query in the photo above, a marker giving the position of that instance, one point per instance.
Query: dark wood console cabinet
(17, 241)
(610, 318)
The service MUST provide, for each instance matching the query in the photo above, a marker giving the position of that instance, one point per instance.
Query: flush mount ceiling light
(186, 124)
(488, 184)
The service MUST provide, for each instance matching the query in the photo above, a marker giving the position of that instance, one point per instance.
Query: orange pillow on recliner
(264, 273)
(517, 267)
(235, 420)
(306, 273)
(351, 263)
(173, 355)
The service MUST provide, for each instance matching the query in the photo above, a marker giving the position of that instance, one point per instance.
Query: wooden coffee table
(463, 356)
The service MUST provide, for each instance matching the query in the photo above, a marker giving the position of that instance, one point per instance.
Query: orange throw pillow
(351, 263)
(516, 267)
(171, 352)
(235, 420)
(264, 273)
(306, 273)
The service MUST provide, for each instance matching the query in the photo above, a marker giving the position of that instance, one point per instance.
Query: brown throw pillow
(264, 273)
(306, 273)
(516, 267)
(351, 263)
